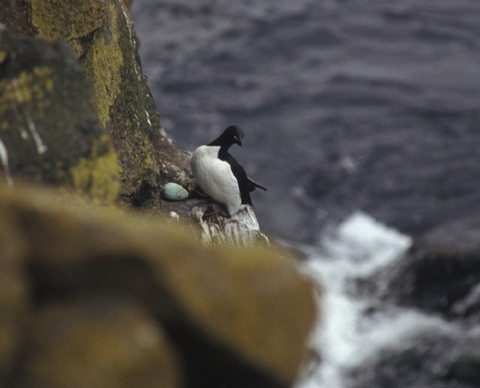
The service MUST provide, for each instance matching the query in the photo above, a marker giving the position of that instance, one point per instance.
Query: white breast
(215, 178)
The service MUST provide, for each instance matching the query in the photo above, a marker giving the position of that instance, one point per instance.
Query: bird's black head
(231, 135)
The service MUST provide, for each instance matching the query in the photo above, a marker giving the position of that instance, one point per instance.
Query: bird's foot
(211, 212)
(197, 192)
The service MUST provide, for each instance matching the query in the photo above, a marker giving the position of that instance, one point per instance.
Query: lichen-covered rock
(101, 34)
(76, 20)
(97, 341)
(236, 317)
(243, 315)
(48, 129)
(126, 108)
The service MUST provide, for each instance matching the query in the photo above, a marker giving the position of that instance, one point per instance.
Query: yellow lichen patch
(45, 74)
(76, 46)
(145, 152)
(28, 86)
(76, 18)
(98, 174)
(103, 63)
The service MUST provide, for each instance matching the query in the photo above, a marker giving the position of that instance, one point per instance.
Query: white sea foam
(346, 336)
(349, 334)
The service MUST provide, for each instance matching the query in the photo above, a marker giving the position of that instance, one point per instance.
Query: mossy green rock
(98, 341)
(76, 20)
(101, 34)
(48, 129)
(236, 316)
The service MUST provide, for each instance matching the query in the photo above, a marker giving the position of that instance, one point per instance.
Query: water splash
(346, 335)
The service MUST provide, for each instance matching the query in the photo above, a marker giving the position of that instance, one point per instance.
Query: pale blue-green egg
(174, 192)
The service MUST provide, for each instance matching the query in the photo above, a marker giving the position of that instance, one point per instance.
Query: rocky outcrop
(97, 341)
(94, 297)
(441, 274)
(49, 131)
(101, 35)
(91, 297)
(241, 228)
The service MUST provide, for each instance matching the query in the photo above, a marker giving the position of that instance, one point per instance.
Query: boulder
(243, 314)
(430, 359)
(97, 341)
(441, 274)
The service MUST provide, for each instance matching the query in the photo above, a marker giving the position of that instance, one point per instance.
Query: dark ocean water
(346, 105)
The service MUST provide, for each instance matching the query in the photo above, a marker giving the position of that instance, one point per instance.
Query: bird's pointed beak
(239, 142)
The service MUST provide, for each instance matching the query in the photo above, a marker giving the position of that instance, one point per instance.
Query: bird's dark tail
(252, 185)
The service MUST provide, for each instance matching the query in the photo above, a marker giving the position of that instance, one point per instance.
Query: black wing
(244, 183)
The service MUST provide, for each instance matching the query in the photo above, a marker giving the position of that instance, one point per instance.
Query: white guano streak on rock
(148, 118)
(131, 34)
(6, 166)
(23, 132)
(41, 147)
(241, 229)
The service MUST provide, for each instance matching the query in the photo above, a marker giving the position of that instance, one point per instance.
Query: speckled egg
(174, 192)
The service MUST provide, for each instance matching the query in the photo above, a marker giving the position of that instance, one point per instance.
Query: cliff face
(120, 105)
(97, 297)
(49, 130)
(101, 35)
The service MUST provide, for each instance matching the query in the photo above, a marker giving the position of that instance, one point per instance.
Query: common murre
(219, 175)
